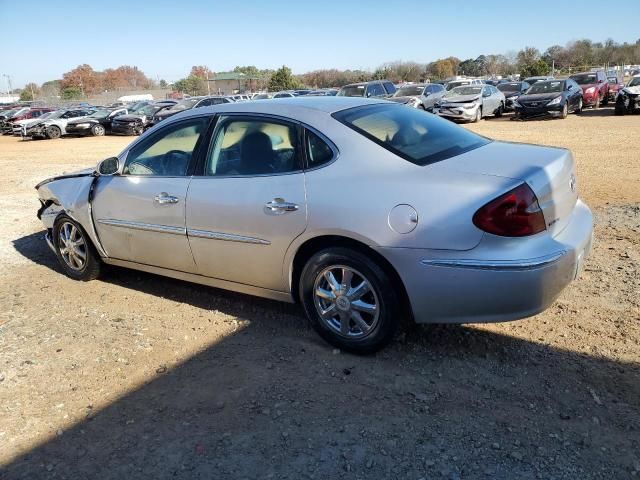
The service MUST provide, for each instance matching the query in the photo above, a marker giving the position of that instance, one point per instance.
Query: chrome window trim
(147, 227)
(525, 264)
(228, 237)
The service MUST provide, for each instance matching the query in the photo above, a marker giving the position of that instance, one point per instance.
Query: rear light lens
(514, 214)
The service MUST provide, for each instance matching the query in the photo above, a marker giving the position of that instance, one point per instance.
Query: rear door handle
(279, 206)
(164, 198)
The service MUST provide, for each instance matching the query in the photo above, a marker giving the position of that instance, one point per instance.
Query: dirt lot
(137, 376)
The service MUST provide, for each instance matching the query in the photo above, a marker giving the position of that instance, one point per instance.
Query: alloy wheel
(346, 301)
(72, 246)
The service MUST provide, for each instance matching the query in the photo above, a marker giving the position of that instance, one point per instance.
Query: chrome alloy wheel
(346, 301)
(72, 246)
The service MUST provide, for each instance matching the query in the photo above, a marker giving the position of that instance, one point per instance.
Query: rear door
(248, 204)
(140, 214)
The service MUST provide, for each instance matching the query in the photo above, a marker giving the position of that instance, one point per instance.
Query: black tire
(382, 291)
(91, 266)
(579, 107)
(53, 132)
(605, 99)
(565, 110)
(499, 111)
(620, 108)
(98, 130)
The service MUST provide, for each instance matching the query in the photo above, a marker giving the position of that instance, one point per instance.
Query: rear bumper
(463, 288)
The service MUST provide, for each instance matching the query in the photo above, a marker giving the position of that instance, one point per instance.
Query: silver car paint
(445, 195)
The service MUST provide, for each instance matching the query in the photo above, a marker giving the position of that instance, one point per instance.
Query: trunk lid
(549, 171)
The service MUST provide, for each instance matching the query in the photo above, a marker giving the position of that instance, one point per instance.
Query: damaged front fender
(70, 194)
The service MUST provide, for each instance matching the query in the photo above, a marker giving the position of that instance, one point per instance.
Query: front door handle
(279, 206)
(164, 198)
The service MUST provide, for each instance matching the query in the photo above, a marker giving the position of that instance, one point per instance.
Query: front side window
(248, 147)
(412, 134)
(389, 87)
(167, 153)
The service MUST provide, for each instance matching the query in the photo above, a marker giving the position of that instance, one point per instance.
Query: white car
(20, 126)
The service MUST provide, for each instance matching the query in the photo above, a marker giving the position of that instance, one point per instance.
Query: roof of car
(288, 106)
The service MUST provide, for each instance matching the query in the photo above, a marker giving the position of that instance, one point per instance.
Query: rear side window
(318, 152)
(390, 87)
(375, 90)
(416, 136)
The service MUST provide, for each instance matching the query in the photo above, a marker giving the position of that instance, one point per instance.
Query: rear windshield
(585, 79)
(352, 91)
(416, 136)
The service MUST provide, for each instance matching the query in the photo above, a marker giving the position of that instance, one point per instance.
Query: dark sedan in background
(553, 98)
(512, 90)
(137, 121)
(96, 124)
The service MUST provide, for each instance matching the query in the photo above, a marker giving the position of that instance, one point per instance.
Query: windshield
(464, 90)
(612, 80)
(509, 87)
(414, 135)
(56, 114)
(46, 115)
(550, 86)
(352, 91)
(585, 79)
(100, 114)
(147, 110)
(635, 81)
(409, 91)
(7, 113)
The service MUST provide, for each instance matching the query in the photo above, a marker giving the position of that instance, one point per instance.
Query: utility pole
(8, 77)
(208, 84)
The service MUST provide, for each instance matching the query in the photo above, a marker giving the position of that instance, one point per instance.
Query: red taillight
(514, 214)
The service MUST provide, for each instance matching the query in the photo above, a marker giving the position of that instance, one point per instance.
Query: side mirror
(569, 87)
(486, 94)
(108, 166)
(368, 94)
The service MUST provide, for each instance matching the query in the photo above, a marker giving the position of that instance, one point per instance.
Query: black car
(512, 90)
(96, 124)
(375, 89)
(187, 104)
(628, 99)
(137, 121)
(553, 98)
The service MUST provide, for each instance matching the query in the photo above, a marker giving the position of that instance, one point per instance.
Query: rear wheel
(97, 130)
(53, 131)
(499, 111)
(76, 254)
(350, 300)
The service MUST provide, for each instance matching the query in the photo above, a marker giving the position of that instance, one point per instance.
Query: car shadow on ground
(273, 401)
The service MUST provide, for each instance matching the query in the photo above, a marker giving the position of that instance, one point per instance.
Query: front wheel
(565, 110)
(97, 130)
(53, 132)
(478, 116)
(605, 99)
(499, 111)
(76, 254)
(350, 300)
(579, 107)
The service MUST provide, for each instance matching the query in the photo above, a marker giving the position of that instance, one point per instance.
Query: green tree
(163, 83)
(282, 79)
(535, 68)
(29, 92)
(71, 93)
(192, 85)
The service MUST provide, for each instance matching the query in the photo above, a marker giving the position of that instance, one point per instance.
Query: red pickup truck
(595, 87)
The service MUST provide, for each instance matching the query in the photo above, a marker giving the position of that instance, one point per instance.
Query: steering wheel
(171, 159)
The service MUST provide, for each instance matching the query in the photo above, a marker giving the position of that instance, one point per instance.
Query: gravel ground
(138, 376)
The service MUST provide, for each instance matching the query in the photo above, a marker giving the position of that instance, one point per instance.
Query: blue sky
(165, 38)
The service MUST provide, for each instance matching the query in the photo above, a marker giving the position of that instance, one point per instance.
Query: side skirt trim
(202, 280)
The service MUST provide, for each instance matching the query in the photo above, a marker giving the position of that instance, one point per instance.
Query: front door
(140, 214)
(248, 205)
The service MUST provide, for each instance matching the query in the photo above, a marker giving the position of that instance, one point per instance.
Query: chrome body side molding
(525, 264)
(149, 227)
(226, 237)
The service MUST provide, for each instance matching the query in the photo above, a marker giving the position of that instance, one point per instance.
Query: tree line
(578, 55)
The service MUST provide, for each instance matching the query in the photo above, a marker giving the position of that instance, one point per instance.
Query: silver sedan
(364, 211)
(471, 103)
